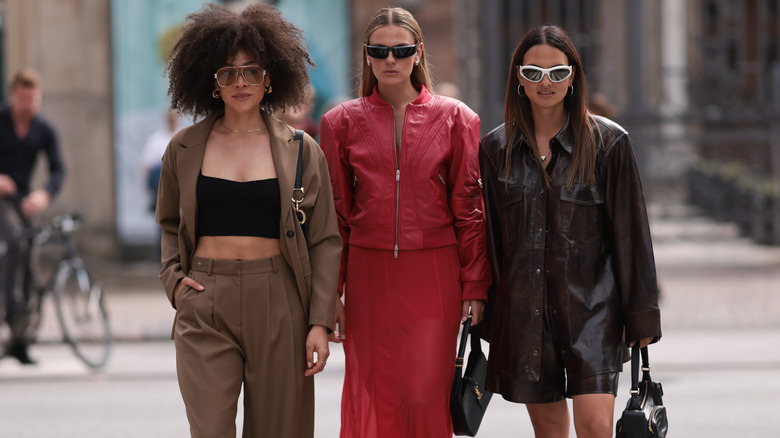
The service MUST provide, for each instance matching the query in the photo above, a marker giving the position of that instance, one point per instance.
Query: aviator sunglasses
(536, 74)
(227, 76)
(399, 52)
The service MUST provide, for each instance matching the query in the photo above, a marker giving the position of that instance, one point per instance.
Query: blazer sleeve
(324, 242)
(466, 205)
(167, 216)
(341, 178)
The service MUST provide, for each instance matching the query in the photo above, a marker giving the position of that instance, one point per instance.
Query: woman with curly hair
(254, 294)
(406, 182)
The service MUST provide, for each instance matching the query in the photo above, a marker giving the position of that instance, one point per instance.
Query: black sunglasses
(399, 52)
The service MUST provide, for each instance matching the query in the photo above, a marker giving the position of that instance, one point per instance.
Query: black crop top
(233, 208)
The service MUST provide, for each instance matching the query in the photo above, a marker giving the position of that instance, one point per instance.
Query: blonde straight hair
(399, 17)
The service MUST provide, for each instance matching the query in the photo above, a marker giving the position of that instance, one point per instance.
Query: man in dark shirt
(23, 136)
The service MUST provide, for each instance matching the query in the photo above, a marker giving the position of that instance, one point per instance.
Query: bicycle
(79, 303)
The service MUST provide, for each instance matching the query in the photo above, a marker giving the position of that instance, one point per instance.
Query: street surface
(718, 361)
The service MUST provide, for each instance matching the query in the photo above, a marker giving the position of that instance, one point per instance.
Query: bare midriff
(236, 247)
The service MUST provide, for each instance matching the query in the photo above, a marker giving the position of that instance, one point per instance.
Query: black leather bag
(468, 399)
(645, 414)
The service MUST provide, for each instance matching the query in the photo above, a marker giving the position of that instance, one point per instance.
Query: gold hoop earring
(269, 90)
(215, 94)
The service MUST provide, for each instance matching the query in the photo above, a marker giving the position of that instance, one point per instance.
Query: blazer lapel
(190, 162)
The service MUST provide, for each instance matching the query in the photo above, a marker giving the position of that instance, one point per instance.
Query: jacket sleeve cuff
(475, 290)
(643, 324)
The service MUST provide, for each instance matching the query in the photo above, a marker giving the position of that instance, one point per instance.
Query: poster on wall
(143, 32)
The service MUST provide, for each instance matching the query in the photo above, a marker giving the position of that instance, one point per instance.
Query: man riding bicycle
(23, 136)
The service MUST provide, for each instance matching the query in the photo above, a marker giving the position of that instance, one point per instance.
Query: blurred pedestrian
(300, 117)
(254, 296)
(600, 105)
(151, 162)
(569, 237)
(24, 135)
(405, 173)
(154, 148)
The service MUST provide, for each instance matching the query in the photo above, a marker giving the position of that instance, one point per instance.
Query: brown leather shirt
(579, 258)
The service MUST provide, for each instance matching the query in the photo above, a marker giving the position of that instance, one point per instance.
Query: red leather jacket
(429, 198)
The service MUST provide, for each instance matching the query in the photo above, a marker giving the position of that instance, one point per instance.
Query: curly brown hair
(215, 33)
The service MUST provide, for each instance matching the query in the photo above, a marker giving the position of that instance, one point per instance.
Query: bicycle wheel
(82, 313)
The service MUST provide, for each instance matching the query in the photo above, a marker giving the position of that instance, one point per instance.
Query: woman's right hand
(186, 281)
(338, 321)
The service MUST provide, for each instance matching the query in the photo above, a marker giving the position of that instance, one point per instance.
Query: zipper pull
(397, 175)
(395, 252)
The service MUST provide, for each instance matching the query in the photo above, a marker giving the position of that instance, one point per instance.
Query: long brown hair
(399, 17)
(518, 117)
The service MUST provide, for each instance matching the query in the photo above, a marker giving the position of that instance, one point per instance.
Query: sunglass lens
(404, 51)
(227, 77)
(531, 74)
(559, 74)
(253, 75)
(378, 52)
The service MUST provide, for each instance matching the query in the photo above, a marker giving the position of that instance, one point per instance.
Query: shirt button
(538, 271)
(541, 231)
(290, 233)
(537, 312)
(199, 263)
(541, 191)
(535, 353)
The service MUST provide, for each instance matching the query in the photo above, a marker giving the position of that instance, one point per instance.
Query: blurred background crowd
(696, 83)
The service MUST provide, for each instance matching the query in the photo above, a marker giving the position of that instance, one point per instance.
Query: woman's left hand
(477, 310)
(644, 342)
(316, 342)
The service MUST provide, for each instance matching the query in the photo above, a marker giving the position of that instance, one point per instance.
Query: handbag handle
(475, 344)
(635, 353)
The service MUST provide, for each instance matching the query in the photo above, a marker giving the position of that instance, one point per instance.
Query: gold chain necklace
(242, 132)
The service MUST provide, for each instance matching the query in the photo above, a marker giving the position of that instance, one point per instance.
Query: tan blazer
(316, 270)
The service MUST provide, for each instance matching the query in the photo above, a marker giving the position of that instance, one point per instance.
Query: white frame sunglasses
(550, 72)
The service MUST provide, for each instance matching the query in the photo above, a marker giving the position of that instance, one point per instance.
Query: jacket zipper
(397, 180)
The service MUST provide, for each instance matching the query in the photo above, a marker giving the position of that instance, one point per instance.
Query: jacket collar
(564, 137)
(424, 97)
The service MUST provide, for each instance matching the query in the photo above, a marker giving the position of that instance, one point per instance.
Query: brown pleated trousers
(246, 327)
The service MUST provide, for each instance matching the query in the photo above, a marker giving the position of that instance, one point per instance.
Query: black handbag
(468, 399)
(299, 185)
(645, 414)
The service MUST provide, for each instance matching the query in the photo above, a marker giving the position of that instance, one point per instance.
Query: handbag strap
(464, 335)
(298, 187)
(468, 330)
(299, 169)
(635, 353)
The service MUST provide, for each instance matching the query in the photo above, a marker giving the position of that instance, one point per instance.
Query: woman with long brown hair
(405, 178)
(569, 241)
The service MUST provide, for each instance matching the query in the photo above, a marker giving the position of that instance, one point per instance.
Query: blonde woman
(405, 174)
